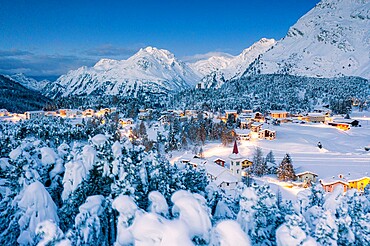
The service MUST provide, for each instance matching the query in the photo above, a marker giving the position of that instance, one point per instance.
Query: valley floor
(342, 153)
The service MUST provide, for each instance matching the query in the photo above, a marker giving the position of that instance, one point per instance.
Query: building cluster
(225, 173)
(64, 113)
(349, 181)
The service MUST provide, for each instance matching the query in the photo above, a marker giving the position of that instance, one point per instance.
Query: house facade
(34, 114)
(307, 176)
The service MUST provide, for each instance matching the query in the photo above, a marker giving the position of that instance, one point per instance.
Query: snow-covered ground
(342, 153)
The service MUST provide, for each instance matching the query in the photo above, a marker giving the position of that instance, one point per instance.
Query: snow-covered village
(238, 139)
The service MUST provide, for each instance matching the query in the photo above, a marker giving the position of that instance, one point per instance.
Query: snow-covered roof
(226, 177)
(333, 180)
(351, 177)
(230, 111)
(256, 124)
(245, 115)
(214, 169)
(306, 172)
(234, 156)
(127, 119)
(316, 115)
(35, 112)
(349, 121)
(241, 131)
(278, 112)
(215, 158)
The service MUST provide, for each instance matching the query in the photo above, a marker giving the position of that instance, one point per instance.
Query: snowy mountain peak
(227, 66)
(105, 63)
(150, 70)
(259, 47)
(28, 82)
(332, 39)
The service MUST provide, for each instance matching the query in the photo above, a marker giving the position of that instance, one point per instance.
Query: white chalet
(221, 176)
(242, 134)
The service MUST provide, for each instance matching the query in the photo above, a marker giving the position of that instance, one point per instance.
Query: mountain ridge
(331, 40)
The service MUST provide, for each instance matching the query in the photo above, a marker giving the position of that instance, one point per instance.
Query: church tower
(236, 162)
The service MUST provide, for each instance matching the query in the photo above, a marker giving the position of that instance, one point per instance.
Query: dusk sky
(48, 38)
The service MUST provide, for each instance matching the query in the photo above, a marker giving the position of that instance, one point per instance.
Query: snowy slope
(332, 39)
(28, 82)
(149, 70)
(217, 69)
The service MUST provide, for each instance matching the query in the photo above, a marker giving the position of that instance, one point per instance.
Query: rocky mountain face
(218, 69)
(17, 98)
(333, 39)
(28, 82)
(150, 70)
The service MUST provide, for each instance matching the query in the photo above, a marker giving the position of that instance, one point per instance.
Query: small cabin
(73, 113)
(231, 112)
(34, 114)
(88, 112)
(307, 176)
(241, 134)
(4, 112)
(220, 162)
(357, 181)
(329, 184)
(278, 114)
(329, 187)
(267, 134)
(315, 117)
(50, 113)
(126, 121)
(256, 127)
(258, 117)
(341, 126)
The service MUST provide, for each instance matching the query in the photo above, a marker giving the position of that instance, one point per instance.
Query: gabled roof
(307, 172)
(214, 169)
(242, 131)
(257, 124)
(316, 115)
(226, 177)
(278, 112)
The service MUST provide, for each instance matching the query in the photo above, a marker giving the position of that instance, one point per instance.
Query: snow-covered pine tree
(259, 166)
(326, 232)
(285, 170)
(271, 163)
(266, 217)
(294, 232)
(36, 206)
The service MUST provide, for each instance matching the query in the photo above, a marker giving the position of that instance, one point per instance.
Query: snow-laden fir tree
(259, 166)
(326, 232)
(294, 232)
(285, 170)
(36, 206)
(271, 163)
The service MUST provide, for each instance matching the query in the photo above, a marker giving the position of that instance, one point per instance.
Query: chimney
(235, 150)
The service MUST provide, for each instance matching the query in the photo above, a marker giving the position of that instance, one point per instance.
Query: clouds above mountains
(41, 65)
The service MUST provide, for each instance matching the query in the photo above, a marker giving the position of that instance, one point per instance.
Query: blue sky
(48, 38)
